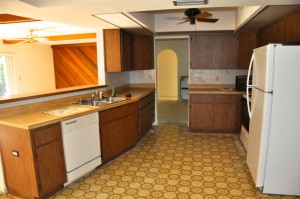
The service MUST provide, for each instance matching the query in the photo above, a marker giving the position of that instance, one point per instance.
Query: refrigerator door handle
(249, 86)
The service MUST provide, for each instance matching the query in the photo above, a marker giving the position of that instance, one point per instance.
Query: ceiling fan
(193, 14)
(30, 38)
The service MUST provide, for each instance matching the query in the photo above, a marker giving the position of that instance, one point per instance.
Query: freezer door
(283, 162)
(258, 135)
(263, 67)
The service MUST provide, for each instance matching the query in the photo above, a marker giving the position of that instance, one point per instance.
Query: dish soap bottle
(113, 91)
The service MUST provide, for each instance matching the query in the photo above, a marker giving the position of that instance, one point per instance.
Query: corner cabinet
(215, 112)
(213, 51)
(118, 130)
(33, 160)
(143, 52)
(293, 27)
(118, 50)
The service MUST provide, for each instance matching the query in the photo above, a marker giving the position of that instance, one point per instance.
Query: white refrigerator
(273, 154)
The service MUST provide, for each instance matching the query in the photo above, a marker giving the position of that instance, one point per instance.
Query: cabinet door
(201, 112)
(126, 51)
(218, 52)
(143, 52)
(293, 27)
(230, 51)
(247, 42)
(226, 111)
(201, 50)
(50, 160)
(118, 135)
(119, 130)
(146, 118)
(201, 116)
(112, 50)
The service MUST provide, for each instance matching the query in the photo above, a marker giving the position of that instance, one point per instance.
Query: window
(7, 80)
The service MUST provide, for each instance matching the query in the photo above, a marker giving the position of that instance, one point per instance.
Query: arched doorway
(167, 75)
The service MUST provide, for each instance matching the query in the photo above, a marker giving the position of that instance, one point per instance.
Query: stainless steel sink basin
(102, 102)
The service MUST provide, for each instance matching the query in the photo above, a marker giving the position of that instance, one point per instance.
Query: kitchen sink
(101, 102)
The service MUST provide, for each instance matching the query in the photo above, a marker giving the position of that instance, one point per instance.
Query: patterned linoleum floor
(170, 162)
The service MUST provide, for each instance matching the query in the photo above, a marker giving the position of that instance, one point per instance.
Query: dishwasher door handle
(72, 122)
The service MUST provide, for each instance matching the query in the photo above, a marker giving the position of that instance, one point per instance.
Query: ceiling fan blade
(208, 20)
(13, 41)
(203, 15)
(184, 21)
(176, 18)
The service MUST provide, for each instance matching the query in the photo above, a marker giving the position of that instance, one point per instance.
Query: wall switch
(15, 153)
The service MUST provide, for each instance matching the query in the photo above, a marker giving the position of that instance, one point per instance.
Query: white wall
(33, 66)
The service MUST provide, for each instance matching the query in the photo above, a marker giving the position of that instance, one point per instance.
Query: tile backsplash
(218, 76)
(142, 76)
(117, 79)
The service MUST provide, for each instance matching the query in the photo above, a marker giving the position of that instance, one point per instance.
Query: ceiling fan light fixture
(189, 2)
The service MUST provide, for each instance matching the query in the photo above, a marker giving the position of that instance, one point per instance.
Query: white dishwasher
(81, 140)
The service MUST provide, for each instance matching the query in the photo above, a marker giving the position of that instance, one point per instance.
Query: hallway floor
(170, 162)
(172, 111)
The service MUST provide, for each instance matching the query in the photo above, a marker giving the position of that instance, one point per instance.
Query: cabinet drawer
(202, 98)
(118, 112)
(46, 135)
(226, 99)
(146, 100)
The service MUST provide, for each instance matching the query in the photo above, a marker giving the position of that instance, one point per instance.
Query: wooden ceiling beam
(8, 18)
(72, 37)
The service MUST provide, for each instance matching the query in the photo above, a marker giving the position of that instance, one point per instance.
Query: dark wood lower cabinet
(215, 112)
(146, 114)
(36, 169)
(118, 129)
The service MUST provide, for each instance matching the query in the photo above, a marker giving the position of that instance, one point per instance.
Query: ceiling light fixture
(189, 2)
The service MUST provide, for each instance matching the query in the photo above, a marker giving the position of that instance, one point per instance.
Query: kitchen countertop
(213, 89)
(38, 119)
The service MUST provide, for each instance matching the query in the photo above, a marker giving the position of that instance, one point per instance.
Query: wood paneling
(247, 42)
(75, 65)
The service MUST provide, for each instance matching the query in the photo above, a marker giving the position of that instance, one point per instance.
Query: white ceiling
(76, 16)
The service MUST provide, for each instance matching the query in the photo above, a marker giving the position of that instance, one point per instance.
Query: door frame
(155, 66)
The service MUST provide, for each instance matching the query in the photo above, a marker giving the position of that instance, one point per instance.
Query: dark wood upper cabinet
(214, 51)
(247, 42)
(293, 27)
(118, 50)
(143, 52)
(274, 33)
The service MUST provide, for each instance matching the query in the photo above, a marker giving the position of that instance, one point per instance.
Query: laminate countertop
(40, 118)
